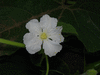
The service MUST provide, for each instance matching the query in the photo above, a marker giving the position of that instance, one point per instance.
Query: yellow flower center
(43, 36)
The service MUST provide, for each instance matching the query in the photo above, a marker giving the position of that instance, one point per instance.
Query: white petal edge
(57, 38)
(33, 44)
(51, 48)
(48, 22)
(58, 29)
(34, 26)
(56, 34)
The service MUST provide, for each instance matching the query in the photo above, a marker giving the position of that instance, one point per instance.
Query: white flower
(44, 32)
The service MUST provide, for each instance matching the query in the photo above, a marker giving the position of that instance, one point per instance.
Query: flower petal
(51, 48)
(59, 28)
(47, 22)
(56, 34)
(33, 26)
(57, 38)
(33, 44)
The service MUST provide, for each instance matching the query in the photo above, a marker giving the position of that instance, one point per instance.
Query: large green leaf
(82, 17)
(15, 14)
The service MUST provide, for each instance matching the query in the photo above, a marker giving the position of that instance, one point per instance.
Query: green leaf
(85, 20)
(95, 65)
(67, 28)
(81, 19)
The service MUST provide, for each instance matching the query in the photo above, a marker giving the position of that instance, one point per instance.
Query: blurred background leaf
(18, 64)
(57, 67)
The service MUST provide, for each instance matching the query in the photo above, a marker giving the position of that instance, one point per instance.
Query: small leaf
(95, 65)
(68, 28)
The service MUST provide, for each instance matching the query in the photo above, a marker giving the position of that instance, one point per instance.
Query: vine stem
(12, 43)
(47, 65)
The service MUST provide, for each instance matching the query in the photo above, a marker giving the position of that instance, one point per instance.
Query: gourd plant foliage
(79, 18)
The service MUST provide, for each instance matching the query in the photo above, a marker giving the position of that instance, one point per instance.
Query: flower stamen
(43, 36)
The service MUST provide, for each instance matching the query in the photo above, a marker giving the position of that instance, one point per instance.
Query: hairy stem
(47, 65)
(12, 43)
